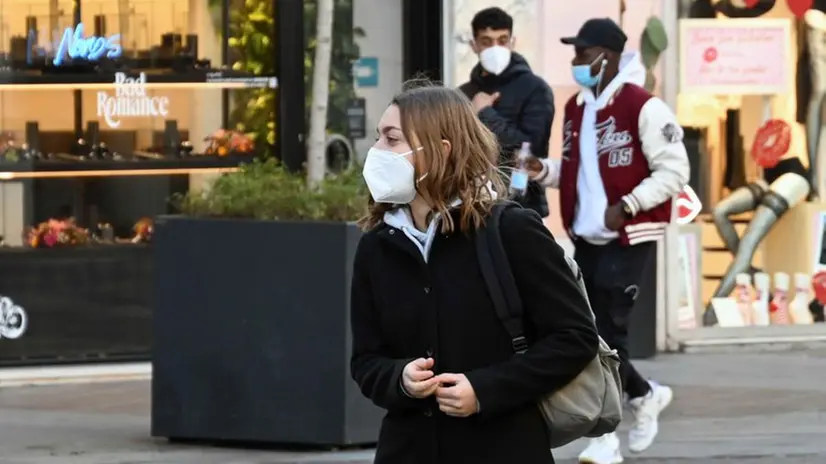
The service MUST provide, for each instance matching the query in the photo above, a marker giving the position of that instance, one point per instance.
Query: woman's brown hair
(430, 114)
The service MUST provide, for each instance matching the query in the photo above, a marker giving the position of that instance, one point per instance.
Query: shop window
(108, 109)
(252, 49)
(369, 60)
(754, 154)
(344, 55)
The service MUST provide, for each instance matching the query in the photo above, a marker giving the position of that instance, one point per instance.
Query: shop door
(423, 39)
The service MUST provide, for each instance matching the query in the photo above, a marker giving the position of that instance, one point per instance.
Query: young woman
(427, 344)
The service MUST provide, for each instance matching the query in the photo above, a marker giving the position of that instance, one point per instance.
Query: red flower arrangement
(143, 231)
(57, 233)
(223, 142)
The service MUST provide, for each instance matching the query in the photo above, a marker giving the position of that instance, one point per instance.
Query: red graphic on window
(799, 7)
(710, 54)
(772, 141)
(688, 206)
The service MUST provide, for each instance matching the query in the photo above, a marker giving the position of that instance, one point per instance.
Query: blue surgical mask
(582, 73)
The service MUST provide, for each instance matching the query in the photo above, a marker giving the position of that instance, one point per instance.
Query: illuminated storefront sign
(88, 48)
(74, 45)
(130, 100)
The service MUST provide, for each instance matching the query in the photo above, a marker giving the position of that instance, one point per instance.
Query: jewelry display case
(108, 108)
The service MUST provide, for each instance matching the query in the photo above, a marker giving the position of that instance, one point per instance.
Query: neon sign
(74, 45)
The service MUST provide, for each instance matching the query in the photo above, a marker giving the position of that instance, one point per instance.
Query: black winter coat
(405, 308)
(524, 112)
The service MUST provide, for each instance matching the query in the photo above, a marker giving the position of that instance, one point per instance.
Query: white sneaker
(602, 450)
(647, 411)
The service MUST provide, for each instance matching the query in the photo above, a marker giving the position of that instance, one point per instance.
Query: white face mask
(495, 59)
(390, 176)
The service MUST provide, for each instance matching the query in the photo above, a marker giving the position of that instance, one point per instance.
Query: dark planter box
(251, 333)
(83, 303)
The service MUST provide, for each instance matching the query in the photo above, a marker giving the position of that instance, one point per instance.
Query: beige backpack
(589, 406)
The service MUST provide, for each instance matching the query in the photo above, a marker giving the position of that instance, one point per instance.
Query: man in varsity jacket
(623, 160)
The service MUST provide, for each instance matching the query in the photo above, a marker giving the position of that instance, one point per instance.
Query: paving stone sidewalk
(743, 408)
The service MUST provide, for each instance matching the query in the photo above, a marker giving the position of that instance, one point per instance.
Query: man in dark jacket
(512, 101)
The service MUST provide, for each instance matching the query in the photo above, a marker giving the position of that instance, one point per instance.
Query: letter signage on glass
(130, 100)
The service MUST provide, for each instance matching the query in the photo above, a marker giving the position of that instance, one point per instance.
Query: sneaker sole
(591, 461)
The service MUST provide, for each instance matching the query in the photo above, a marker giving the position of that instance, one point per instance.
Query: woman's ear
(447, 147)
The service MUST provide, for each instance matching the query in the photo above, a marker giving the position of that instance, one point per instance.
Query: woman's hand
(417, 378)
(455, 395)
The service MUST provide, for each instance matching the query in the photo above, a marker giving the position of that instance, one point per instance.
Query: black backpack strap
(496, 270)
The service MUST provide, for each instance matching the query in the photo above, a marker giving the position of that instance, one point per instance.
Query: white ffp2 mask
(390, 176)
(495, 59)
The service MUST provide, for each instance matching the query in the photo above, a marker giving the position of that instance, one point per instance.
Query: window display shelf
(43, 169)
(195, 79)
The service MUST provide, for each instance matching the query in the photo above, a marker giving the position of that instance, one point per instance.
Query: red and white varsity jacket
(624, 145)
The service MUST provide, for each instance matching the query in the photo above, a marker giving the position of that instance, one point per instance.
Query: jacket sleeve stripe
(633, 203)
(632, 228)
(644, 238)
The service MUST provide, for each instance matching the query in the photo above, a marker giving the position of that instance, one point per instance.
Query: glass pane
(105, 115)
(253, 50)
(345, 52)
(130, 95)
(367, 71)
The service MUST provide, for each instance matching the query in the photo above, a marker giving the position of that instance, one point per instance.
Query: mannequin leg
(813, 132)
(816, 161)
(815, 32)
(764, 218)
(741, 200)
(786, 192)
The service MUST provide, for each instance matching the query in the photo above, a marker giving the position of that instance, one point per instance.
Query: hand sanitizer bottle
(760, 308)
(779, 307)
(743, 295)
(519, 176)
(799, 307)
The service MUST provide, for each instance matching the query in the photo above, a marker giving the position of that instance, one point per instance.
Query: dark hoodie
(524, 112)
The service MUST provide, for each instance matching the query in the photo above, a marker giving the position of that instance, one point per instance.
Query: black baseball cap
(599, 32)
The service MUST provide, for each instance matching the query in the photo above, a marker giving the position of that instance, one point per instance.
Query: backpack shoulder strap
(496, 270)
(577, 272)
(604, 349)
